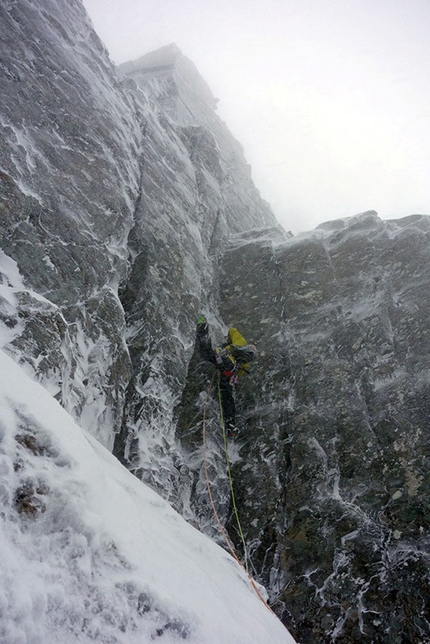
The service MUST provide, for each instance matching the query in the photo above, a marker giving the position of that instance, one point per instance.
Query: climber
(232, 361)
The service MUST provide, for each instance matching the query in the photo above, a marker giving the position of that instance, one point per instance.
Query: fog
(329, 98)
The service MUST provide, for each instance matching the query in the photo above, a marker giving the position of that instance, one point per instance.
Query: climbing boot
(231, 430)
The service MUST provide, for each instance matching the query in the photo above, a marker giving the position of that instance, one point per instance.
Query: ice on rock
(90, 553)
(128, 209)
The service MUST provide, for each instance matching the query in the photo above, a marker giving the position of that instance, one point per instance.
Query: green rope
(233, 499)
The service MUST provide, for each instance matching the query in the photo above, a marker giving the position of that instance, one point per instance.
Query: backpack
(239, 352)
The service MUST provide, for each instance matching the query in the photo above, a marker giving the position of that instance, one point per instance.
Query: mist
(328, 99)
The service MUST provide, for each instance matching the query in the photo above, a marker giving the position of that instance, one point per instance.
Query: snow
(91, 554)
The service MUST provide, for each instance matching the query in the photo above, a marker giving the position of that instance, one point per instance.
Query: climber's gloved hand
(202, 326)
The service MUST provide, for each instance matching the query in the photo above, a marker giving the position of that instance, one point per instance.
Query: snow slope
(89, 553)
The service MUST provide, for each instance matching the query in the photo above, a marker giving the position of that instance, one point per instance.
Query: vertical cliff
(69, 163)
(331, 467)
(127, 209)
(332, 474)
(112, 215)
(196, 190)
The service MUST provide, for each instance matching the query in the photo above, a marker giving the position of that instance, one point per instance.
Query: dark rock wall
(69, 175)
(127, 208)
(334, 458)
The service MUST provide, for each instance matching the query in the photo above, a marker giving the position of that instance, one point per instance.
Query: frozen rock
(127, 209)
(69, 177)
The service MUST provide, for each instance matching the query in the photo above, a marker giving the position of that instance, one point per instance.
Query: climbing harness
(208, 486)
(232, 373)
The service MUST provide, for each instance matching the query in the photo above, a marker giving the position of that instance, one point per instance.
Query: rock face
(127, 208)
(333, 471)
(196, 190)
(330, 473)
(69, 163)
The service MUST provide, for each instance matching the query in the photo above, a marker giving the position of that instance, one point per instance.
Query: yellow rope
(221, 527)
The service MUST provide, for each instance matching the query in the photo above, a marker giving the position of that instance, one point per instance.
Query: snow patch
(92, 554)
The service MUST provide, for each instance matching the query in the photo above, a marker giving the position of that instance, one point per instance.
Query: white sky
(330, 98)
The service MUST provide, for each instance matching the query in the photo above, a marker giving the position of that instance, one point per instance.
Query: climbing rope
(230, 478)
(208, 486)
